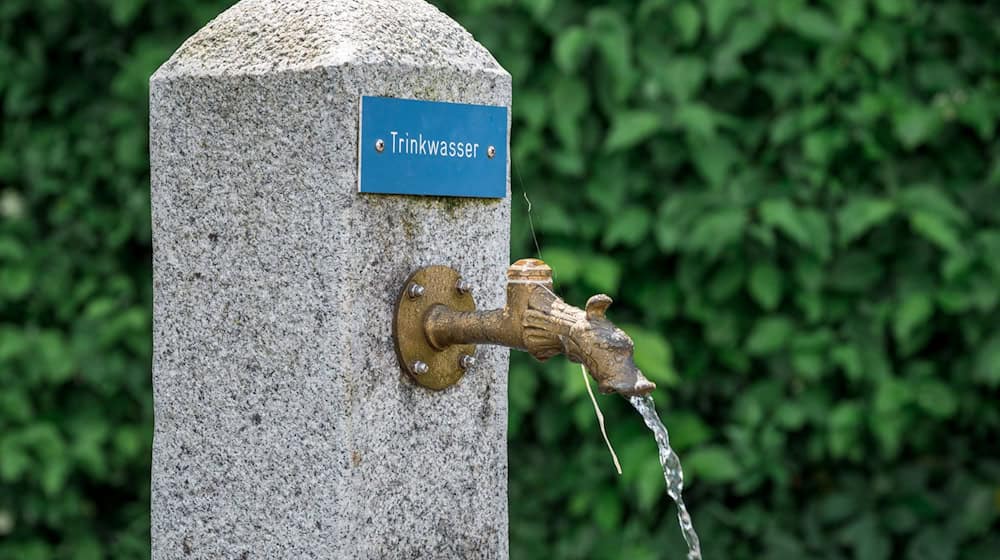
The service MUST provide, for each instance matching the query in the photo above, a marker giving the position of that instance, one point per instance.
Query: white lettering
(403, 143)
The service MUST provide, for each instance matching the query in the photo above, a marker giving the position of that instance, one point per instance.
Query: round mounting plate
(440, 285)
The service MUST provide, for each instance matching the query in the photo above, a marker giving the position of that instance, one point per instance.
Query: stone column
(284, 425)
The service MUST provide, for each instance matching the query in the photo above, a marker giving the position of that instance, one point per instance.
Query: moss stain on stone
(409, 222)
(451, 205)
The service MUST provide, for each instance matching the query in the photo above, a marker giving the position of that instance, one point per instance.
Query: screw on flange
(466, 361)
(463, 286)
(490, 152)
(415, 290)
(420, 368)
(379, 145)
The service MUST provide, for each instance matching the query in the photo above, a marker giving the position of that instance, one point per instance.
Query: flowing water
(671, 470)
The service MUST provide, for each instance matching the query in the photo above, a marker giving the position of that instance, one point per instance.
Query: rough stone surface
(284, 426)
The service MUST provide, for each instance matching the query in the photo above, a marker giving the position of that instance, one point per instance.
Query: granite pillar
(284, 425)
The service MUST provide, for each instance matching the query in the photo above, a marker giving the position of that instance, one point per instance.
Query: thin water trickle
(672, 472)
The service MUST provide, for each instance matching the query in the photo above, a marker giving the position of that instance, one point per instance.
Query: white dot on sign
(379, 146)
(490, 152)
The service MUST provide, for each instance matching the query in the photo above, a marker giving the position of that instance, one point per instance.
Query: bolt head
(415, 291)
(463, 286)
(466, 361)
(490, 152)
(379, 146)
(420, 368)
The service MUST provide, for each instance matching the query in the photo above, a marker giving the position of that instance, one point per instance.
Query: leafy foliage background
(794, 203)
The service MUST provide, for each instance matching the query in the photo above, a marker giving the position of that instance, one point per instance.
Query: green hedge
(796, 206)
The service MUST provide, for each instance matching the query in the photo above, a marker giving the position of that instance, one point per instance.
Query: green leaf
(554, 219)
(816, 25)
(769, 335)
(608, 510)
(936, 230)
(53, 356)
(649, 480)
(864, 536)
(765, 285)
(687, 20)
(124, 12)
(860, 214)
(718, 14)
(845, 429)
(565, 262)
(932, 200)
(87, 548)
(806, 226)
(936, 397)
(15, 282)
(715, 231)
(791, 415)
(697, 119)
(781, 214)
(821, 146)
(747, 34)
(987, 363)
(53, 475)
(932, 543)
(683, 76)
(632, 127)
(912, 312)
(714, 158)
(713, 464)
(849, 359)
(572, 98)
(877, 48)
(850, 13)
(981, 112)
(629, 229)
(13, 460)
(855, 271)
(914, 125)
(652, 355)
(893, 7)
(570, 48)
(611, 34)
(686, 429)
(603, 273)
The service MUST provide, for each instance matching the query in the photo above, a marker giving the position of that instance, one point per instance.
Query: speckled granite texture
(284, 426)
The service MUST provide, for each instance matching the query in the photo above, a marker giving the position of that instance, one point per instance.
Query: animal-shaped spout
(534, 320)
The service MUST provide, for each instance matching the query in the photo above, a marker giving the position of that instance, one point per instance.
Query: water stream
(671, 471)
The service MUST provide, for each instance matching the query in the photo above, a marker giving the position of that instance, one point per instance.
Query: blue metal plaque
(432, 148)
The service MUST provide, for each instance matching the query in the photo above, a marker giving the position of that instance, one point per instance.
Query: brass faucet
(437, 325)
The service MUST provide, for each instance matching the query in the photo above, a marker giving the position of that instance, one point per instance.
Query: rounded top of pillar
(268, 36)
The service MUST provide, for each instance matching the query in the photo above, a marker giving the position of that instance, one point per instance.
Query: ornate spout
(437, 327)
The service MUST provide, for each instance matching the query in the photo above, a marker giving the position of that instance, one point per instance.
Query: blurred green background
(795, 204)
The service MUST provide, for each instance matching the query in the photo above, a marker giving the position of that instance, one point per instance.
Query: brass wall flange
(429, 366)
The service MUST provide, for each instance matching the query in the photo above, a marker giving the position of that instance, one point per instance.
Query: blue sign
(432, 148)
